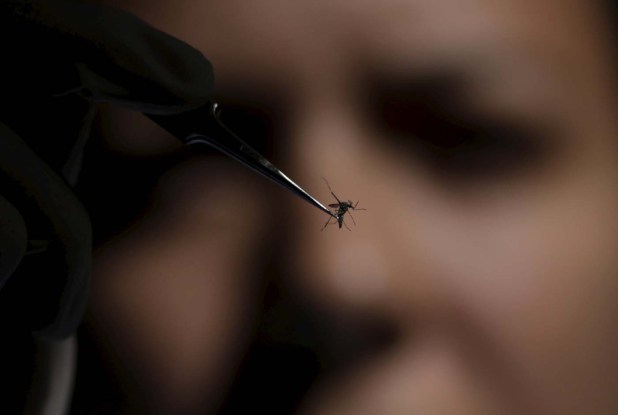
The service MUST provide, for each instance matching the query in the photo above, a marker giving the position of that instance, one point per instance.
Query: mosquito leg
(350, 214)
(346, 226)
(326, 181)
(355, 208)
(331, 190)
(326, 224)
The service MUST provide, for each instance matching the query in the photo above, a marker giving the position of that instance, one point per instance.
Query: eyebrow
(466, 89)
(444, 88)
(488, 78)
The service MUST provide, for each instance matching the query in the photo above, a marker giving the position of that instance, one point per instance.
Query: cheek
(537, 272)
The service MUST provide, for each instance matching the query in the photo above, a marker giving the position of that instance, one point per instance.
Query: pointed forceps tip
(203, 127)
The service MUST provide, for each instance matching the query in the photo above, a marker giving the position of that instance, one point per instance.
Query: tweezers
(202, 127)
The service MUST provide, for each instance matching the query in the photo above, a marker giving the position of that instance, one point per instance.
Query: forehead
(277, 38)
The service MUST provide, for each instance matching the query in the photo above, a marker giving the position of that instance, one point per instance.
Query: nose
(337, 265)
(374, 270)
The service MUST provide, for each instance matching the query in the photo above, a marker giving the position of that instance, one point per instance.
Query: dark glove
(57, 59)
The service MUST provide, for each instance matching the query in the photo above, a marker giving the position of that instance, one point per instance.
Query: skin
(500, 286)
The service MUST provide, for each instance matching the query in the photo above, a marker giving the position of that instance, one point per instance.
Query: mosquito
(342, 209)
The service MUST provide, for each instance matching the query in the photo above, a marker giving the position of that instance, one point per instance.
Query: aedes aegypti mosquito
(342, 209)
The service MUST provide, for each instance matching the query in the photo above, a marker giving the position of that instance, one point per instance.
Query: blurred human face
(480, 136)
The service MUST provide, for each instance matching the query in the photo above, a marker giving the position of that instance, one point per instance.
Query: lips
(425, 375)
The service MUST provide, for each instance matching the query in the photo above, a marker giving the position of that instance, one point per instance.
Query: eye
(479, 149)
(456, 145)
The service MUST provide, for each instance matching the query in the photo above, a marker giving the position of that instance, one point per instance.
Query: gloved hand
(58, 58)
